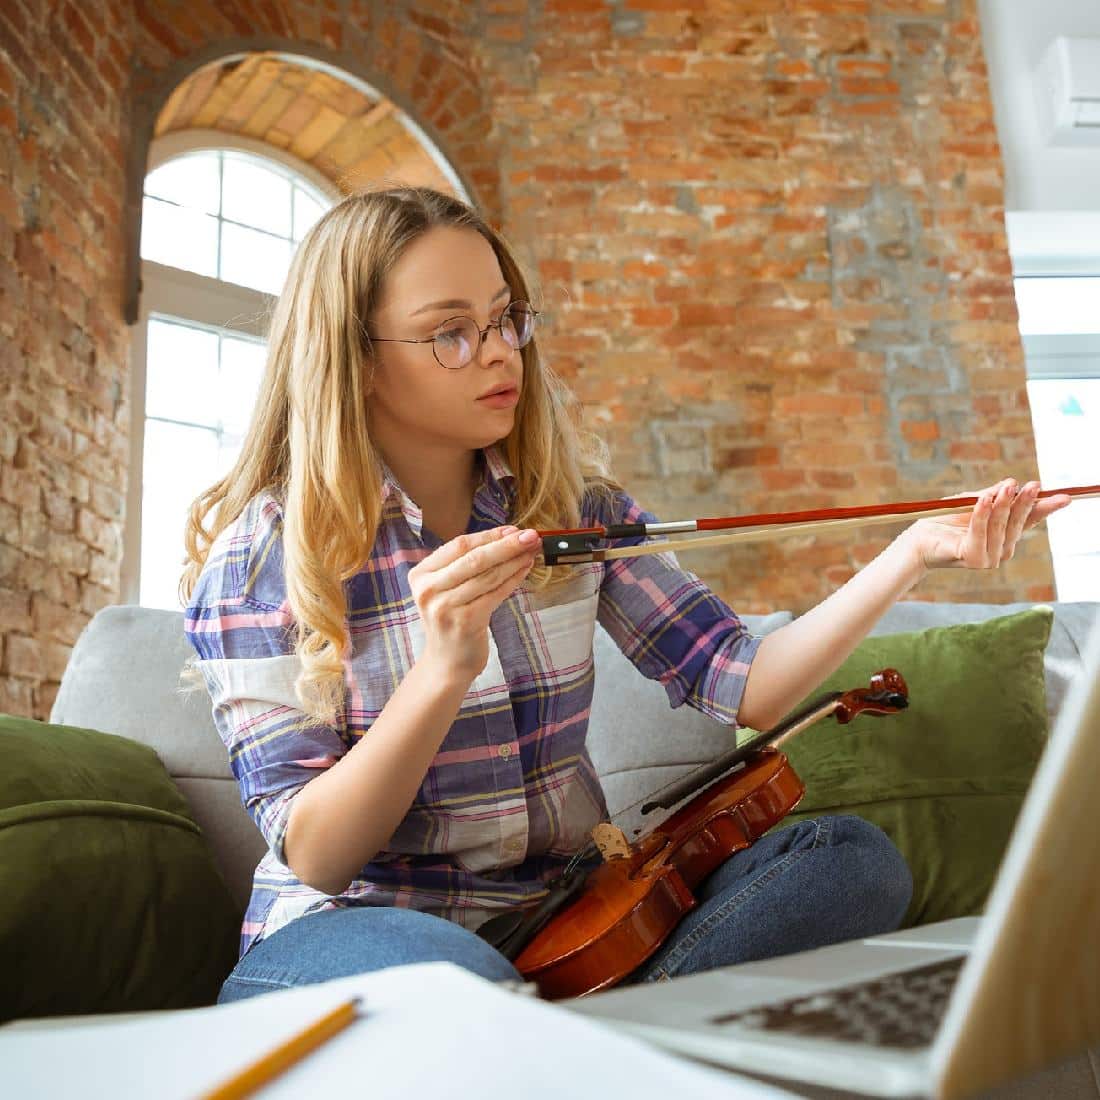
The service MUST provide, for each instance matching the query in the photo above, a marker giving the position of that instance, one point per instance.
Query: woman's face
(415, 402)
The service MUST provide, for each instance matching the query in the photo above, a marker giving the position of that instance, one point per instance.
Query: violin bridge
(610, 840)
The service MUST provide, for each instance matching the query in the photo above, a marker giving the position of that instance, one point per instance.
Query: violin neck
(802, 719)
(697, 780)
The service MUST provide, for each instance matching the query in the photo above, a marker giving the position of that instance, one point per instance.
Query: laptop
(946, 1010)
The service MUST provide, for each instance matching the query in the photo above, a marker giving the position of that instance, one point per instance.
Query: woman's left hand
(986, 536)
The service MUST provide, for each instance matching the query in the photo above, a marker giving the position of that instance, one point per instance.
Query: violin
(600, 922)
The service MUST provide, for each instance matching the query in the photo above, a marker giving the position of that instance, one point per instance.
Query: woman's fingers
(491, 557)
(488, 580)
(1047, 506)
(998, 521)
(1015, 512)
(1018, 516)
(465, 568)
(976, 537)
(451, 551)
(490, 598)
(990, 532)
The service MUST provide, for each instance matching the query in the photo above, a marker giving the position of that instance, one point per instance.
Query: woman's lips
(503, 400)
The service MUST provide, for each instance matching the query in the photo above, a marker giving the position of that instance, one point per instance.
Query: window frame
(174, 294)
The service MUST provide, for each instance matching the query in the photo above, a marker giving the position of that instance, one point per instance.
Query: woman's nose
(500, 349)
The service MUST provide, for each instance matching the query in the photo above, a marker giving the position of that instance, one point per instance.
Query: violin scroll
(887, 694)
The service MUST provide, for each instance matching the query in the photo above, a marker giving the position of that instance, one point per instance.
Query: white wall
(1038, 176)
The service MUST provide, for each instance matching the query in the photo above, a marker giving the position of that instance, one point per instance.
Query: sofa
(123, 678)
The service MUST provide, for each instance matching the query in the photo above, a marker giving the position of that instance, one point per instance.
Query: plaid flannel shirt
(512, 792)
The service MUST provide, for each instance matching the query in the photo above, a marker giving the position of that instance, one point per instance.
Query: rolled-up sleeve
(244, 649)
(670, 625)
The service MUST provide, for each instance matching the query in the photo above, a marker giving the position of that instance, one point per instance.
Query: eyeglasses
(459, 339)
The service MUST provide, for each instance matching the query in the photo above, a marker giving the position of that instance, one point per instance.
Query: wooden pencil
(282, 1057)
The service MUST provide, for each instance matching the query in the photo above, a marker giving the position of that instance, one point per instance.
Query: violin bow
(574, 546)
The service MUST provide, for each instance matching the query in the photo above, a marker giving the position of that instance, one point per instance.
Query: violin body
(632, 902)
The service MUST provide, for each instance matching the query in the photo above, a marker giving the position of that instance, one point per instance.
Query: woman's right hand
(460, 584)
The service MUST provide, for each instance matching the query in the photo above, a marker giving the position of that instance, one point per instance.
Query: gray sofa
(123, 678)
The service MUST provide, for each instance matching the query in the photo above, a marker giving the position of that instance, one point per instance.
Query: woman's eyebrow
(459, 303)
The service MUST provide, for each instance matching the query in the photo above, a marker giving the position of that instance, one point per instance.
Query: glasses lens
(455, 343)
(518, 324)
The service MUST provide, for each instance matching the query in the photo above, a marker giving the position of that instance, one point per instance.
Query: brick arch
(334, 132)
(398, 61)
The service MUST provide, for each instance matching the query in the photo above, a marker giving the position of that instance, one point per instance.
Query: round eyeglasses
(458, 340)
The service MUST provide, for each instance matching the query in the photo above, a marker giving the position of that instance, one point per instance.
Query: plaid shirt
(512, 793)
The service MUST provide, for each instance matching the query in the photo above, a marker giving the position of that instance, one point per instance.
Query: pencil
(283, 1057)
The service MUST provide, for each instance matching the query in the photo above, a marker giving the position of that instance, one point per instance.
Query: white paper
(426, 1030)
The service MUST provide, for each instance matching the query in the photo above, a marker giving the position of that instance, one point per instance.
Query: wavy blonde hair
(309, 441)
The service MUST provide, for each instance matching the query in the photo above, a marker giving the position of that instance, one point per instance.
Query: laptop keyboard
(903, 1009)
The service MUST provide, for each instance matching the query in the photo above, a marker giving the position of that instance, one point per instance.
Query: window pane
(182, 373)
(306, 211)
(178, 237)
(180, 463)
(1066, 415)
(255, 195)
(1053, 305)
(254, 259)
(239, 382)
(190, 181)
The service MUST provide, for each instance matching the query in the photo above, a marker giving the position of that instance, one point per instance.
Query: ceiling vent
(1068, 83)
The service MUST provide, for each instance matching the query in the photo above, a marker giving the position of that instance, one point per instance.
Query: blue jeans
(817, 882)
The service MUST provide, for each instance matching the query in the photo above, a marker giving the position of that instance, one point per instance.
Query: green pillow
(946, 777)
(110, 898)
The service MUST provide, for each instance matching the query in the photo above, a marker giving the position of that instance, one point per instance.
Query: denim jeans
(817, 882)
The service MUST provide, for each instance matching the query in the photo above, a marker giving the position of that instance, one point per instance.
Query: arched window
(221, 218)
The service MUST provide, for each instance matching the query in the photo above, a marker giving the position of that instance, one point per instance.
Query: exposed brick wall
(769, 235)
(64, 420)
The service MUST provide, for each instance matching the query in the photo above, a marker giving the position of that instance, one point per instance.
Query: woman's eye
(450, 336)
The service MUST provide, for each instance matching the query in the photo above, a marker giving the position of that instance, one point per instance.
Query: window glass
(1066, 415)
(306, 211)
(181, 373)
(227, 215)
(201, 389)
(256, 195)
(179, 237)
(254, 259)
(242, 368)
(191, 181)
(180, 461)
(233, 217)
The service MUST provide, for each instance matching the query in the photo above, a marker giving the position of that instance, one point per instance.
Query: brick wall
(769, 237)
(63, 348)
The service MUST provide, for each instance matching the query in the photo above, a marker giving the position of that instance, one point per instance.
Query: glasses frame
(481, 333)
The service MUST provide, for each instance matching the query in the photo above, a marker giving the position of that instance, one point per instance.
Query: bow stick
(574, 546)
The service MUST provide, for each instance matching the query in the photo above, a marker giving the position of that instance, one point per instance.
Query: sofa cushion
(657, 743)
(111, 899)
(1073, 621)
(157, 708)
(946, 777)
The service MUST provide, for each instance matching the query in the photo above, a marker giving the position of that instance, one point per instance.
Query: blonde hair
(309, 443)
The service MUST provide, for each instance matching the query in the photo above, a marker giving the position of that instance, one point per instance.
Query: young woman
(404, 693)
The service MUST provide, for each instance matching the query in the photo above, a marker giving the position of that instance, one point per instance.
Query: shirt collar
(492, 496)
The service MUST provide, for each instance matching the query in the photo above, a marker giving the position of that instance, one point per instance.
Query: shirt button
(505, 751)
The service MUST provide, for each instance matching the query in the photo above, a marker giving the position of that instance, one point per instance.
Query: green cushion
(946, 777)
(111, 900)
